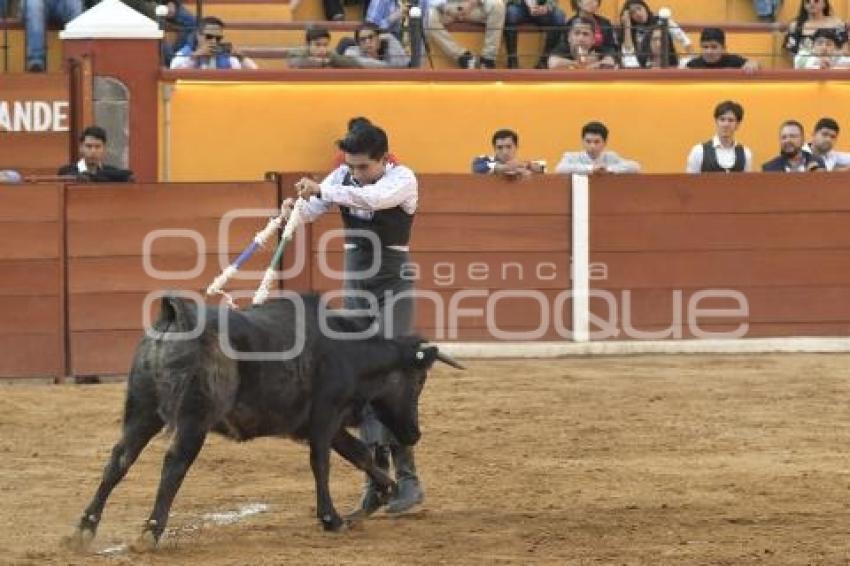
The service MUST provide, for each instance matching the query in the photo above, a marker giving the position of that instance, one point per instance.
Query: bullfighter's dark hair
(367, 139)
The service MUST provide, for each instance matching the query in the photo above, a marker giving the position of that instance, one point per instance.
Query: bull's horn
(443, 357)
(447, 359)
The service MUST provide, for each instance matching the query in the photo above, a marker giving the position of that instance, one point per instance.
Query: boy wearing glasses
(379, 199)
(212, 52)
(376, 50)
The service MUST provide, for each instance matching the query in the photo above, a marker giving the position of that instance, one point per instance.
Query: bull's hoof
(147, 542)
(333, 523)
(79, 541)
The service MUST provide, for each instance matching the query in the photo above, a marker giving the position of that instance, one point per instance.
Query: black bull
(193, 387)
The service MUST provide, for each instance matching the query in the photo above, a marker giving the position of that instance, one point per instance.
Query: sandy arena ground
(629, 460)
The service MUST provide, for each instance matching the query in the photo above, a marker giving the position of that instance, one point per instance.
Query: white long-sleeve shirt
(398, 187)
(725, 157)
(581, 163)
(832, 159)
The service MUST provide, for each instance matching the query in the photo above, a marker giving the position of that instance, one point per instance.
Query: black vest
(391, 225)
(709, 159)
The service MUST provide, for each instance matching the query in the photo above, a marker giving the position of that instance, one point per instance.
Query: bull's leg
(358, 454)
(320, 461)
(187, 443)
(141, 424)
(324, 422)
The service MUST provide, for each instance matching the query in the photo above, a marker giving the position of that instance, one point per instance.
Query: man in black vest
(722, 154)
(377, 200)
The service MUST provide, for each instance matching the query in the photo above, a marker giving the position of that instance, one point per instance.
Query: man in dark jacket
(90, 167)
(792, 157)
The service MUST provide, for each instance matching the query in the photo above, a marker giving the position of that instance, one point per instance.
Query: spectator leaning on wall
(595, 159)
(713, 55)
(823, 145)
(90, 167)
(792, 157)
(504, 160)
(376, 50)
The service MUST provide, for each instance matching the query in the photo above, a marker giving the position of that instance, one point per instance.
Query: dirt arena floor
(627, 460)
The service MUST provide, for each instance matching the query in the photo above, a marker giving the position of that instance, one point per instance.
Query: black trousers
(395, 306)
(335, 8)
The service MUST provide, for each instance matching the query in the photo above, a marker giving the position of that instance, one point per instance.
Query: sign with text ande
(35, 122)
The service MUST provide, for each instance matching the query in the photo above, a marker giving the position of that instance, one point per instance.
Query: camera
(222, 48)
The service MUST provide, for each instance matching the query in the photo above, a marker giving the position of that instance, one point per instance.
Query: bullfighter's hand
(286, 207)
(307, 188)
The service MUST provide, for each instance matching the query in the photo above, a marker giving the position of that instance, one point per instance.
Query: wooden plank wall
(107, 282)
(479, 234)
(31, 265)
(780, 240)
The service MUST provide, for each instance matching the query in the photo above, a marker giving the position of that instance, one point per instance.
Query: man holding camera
(212, 52)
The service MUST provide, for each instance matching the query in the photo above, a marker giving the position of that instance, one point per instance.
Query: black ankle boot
(409, 491)
(372, 498)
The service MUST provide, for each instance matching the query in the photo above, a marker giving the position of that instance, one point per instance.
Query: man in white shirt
(595, 159)
(722, 154)
(380, 198)
(212, 52)
(823, 142)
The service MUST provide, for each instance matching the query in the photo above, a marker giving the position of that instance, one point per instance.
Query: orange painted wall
(228, 131)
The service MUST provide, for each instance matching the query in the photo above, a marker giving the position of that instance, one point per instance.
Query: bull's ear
(175, 311)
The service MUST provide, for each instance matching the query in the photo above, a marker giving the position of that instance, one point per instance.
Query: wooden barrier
(107, 280)
(492, 259)
(474, 235)
(32, 336)
(776, 242)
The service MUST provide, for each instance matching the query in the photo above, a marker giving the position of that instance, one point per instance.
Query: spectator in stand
(577, 50)
(489, 12)
(637, 21)
(90, 167)
(334, 9)
(504, 160)
(823, 146)
(376, 50)
(722, 154)
(211, 52)
(712, 42)
(650, 55)
(813, 15)
(387, 15)
(37, 14)
(595, 159)
(604, 38)
(767, 9)
(825, 52)
(543, 13)
(316, 52)
(792, 157)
